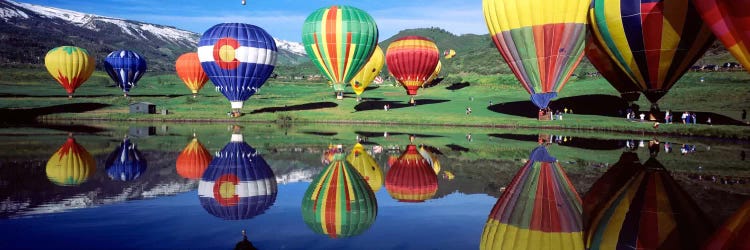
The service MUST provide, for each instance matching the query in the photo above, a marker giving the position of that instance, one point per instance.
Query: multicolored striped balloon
(125, 67)
(411, 178)
(339, 202)
(734, 233)
(366, 166)
(654, 41)
(126, 163)
(339, 40)
(368, 72)
(70, 165)
(539, 209)
(608, 68)
(412, 60)
(730, 22)
(651, 211)
(71, 66)
(191, 72)
(542, 41)
(238, 183)
(238, 58)
(193, 160)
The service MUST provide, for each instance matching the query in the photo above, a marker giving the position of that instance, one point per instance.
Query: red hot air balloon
(412, 60)
(193, 160)
(730, 22)
(411, 178)
(189, 69)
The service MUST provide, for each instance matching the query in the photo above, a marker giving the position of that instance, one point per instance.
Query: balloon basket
(412, 101)
(70, 97)
(545, 115)
(339, 96)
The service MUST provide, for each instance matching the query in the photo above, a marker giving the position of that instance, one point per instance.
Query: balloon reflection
(540, 209)
(238, 183)
(411, 178)
(339, 202)
(125, 163)
(366, 166)
(70, 165)
(608, 184)
(431, 158)
(193, 160)
(733, 234)
(650, 211)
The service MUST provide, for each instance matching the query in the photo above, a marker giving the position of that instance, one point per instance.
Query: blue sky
(283, 18)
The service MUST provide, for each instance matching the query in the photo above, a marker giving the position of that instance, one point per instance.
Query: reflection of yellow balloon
(431, 158)
(70, 66)
(71, 165)
(368, 72)
(434, 75)
(366, 166)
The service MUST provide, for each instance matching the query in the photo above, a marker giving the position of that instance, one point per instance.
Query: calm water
(140, 188)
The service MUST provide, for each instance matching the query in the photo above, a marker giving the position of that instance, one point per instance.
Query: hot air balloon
(368, 72)
(654, 42)
(733, 234)
(238, 58)
(448, 54)
(125, 163)
(238, 183)
(71, 66)
(431, 159)
(608, 68)
(366, 166)
(125, 67)
(411, 178)
(540, 209)
(412, 60)
(728, 19)
(608, 184)
(193, 160)
(650, 211)
(71, 164)
(541, 43)
(431, 81)
(189, 69)
(339, 40)
(339, 203)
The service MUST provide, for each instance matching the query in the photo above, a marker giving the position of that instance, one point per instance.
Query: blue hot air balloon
(238, 58)
(125, 163)
(238, 183)
(125, 67)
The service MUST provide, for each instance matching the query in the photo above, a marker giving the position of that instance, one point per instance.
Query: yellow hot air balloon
(70, 165)
(366, 166)
(368, 72)
(71, 66)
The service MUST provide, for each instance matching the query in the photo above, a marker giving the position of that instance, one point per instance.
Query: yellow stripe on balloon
(532, 13)
(670, 36)
(498, 235)
(348, 66)
(323, 42)
(319, 58)
(340, 40)
(664, 216)
(349, 187)
(617, 31)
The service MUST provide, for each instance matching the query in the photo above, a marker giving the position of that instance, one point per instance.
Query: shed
(143, 108)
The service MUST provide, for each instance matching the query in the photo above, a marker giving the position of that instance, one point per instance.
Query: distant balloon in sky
(412, 60)
(189, 69)
(125, 67)
(368, 72)
(238, 58)
(71, 66)
(730, 22)
(126, 163)
(542, 41)
(70, 165)
(339, 40)
(448, 54)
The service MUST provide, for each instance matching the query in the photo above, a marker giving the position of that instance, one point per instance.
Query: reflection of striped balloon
(412, 60)
(411, 178)
(366, 166)
(70, 66)
(125, 67)
(70, 165)
(608, 184)
(651, 211)
(734, 233)
(238, 183)
(193, 160)
(654, 41)
(338, 202)
(540, 209)
(542, 41)
(730, 22)
(125, 163)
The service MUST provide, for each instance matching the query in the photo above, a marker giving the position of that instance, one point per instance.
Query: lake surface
(289, 188)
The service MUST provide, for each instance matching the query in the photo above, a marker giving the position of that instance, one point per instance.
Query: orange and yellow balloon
(368, 72)
(730, 22)
(70, 165)
(193, 160)
(71, 66)
(189, 69)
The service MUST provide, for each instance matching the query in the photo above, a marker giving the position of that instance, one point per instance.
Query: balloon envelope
(366, 166)
(368, 72)
(608, 68)
(654, 41)
(733, 234)
(125, 67)
(71, 66)
(70, 165)
(238, 58)
(189, 69)
(412, 60)
(730, 22)
(542, 43)
(339, 203)
(193, 160)
(448, 54)
(238, 183)
(411, 178)
(339, 40)
(125, 163)
(539, 209)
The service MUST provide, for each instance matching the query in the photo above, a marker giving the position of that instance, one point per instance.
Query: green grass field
(595, 105)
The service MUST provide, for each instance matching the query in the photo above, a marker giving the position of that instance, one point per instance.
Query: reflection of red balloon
(412, 60)
(193, 160)
(730, 22)
(411, 178)
(733, 234)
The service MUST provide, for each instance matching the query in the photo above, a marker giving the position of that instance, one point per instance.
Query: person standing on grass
(744, 115)
(684, 117)
(709, 121)
(666, 116)
(692, 117)
(643, 116)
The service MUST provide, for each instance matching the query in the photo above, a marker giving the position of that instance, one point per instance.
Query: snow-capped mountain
(28, 31)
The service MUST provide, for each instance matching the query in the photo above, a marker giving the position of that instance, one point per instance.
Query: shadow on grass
(378, 105)
(458, 148)
(577, 142)
(327, 134)
(457, 86)
(306, 106)
(369, 134)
